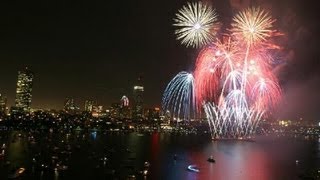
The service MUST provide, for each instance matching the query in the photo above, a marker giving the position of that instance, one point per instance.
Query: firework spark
(233, 78)
(178, 97)
(197, 24)
(252, 25)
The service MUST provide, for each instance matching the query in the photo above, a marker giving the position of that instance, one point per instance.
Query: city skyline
(75, 51)
(78, 101)
(23, 96)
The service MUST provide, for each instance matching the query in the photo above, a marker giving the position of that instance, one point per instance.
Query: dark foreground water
(121, 155)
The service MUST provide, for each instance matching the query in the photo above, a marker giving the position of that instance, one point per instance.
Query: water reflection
(56, 175)
(93, 135)
(118, 155)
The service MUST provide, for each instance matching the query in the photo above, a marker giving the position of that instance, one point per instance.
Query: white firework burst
(252, 25)
(197, 24)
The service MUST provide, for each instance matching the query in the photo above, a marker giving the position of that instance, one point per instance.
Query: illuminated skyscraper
(88, 106)
(124, 101)
(138, 90)
(24, 90)
(124, 108)
(3, 104)
(70, 106)
(115, 111)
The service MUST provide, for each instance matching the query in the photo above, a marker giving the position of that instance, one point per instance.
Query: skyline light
(212, 89)
(84, 58)
(24, 90)
(24, 96)
(138, 88)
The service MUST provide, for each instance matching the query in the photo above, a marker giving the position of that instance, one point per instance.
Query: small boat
(144, 172)
(131, 177)
(210, 159)
(147, 164)
(63, 168)
(54, 158)
(17, 173)
(193, 168)
(60, 167)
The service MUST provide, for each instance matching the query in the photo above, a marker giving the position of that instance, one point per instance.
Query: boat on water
(131, 177)
(61, 167)
(175, 157)
(18, 173)
(140, 134)
(147, 164)
(210, 159)
(193, 168)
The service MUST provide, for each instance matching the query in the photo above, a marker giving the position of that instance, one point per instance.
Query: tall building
(70, 106)
(124, 108)
(97, 111)
(152, 114)
(138, 90)
(24, 90)
(115, 111)
(3, 104)
(88, 105)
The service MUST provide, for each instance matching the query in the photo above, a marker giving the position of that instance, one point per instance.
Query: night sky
(98, 49)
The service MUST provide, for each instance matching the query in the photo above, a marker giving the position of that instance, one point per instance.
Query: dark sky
(97, 49)
(89, 49)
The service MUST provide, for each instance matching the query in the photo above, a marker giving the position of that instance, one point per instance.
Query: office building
(124, 108)
(3, 104)
(138, 91)
(24, 90)
(88, 106)
(70, 106)
(115, 111)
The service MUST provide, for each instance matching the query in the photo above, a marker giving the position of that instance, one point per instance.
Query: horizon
(90, 51)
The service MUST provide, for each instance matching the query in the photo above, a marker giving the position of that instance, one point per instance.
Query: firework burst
(178, 97)
(196, 24)
(252, 25)
(233, 80)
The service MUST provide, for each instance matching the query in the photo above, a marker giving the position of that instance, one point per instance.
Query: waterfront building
(70, 106)
(88, 106)
(124, 108)
(138, 91)
(3, 103)
(24, 90)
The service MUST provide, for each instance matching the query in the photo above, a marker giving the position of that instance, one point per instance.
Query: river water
(119, 155)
